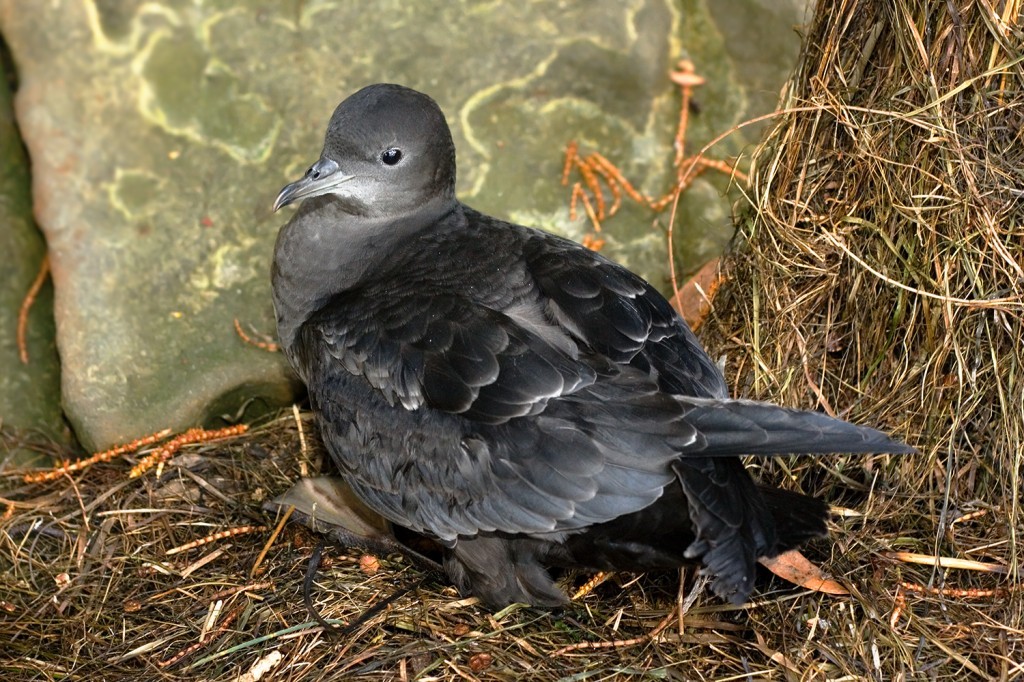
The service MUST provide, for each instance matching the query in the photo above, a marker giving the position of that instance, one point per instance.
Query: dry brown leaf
(694, 298)
(794, 567)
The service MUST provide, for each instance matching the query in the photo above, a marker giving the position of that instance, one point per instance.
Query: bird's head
(388, 151)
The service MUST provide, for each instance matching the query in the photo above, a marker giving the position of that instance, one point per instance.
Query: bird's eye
(391, 156)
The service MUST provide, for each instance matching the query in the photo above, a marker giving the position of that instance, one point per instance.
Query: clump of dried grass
(101, 577)
(881, 280)
(881, 277)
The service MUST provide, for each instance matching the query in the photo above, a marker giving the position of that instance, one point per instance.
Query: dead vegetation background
(878, 276)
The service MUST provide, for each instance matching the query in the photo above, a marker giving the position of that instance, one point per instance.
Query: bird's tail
(798, 517)
(746, 427)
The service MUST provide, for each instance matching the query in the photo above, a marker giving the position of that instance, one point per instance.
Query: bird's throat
(313, 262)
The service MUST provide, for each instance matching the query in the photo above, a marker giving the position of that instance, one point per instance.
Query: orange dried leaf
(794, 567)
(693, 302)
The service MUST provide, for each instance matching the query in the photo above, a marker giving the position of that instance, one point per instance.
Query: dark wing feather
(446, 353)
(620, 316)
(747, 427)
(733, 525)
(596, 444)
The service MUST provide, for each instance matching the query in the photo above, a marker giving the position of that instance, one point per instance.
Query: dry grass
(880, 278)
(94, 585)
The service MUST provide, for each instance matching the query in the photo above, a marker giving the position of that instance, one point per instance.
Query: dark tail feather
(745, 427)
(798, 517)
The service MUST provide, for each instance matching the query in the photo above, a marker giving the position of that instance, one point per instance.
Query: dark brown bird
(520, 398)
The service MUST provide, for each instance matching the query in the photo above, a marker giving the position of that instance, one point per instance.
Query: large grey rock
(160, 133)
(29, 393)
